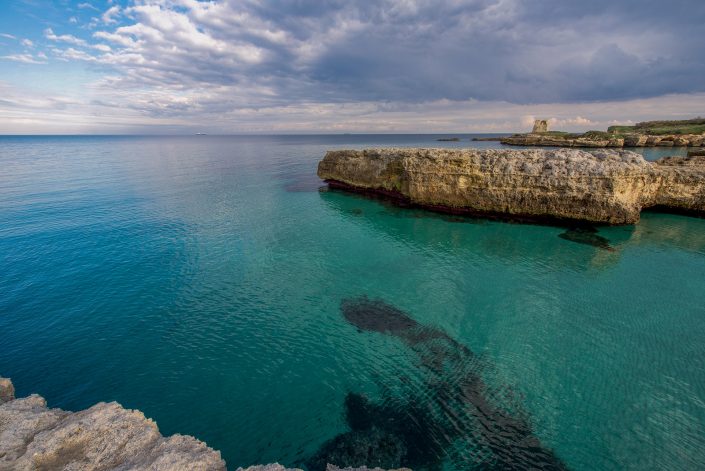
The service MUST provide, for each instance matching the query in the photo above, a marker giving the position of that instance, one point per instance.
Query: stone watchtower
(540, 125)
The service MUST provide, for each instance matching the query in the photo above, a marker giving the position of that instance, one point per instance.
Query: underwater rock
(268, 467)
(558, 186)
(360, 448)
(332, 467)
(104, 436)
(455, 406)
(588, 236)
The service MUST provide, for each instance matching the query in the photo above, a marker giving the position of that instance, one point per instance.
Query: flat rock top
(558, 162)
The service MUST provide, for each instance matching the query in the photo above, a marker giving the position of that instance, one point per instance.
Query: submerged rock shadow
(454, 416)
(587, 235)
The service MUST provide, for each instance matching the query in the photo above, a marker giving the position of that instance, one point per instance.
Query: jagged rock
(7, 390)
(105, 436)
(603, 186)
(696, 141)
(635, 140)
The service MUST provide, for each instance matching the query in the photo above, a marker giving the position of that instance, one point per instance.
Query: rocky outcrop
(104, 436)
(565, 185)
(600, 139)
(679, 185)
(7, 390)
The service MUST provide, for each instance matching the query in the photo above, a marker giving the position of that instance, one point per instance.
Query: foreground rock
(105, 436)
(603, 186)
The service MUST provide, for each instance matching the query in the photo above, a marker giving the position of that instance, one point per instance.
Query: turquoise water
(200, 279)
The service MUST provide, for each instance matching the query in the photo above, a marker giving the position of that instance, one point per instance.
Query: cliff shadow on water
(468, 236)
(451, 416)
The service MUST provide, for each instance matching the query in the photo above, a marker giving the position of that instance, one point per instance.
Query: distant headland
(682, 133)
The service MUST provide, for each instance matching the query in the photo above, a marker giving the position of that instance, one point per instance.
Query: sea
(217, 285)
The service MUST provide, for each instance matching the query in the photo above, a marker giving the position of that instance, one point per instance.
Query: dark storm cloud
(280, 52)
(523, 52)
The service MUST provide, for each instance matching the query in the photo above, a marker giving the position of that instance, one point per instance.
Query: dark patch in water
(454, 415)
(373, 316)
(390, 434)
(372, 447)
(356, 211)
(588, 236)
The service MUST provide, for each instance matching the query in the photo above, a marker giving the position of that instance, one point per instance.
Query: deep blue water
(200, 280)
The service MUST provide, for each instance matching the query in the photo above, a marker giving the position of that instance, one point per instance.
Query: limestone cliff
(105, 436)
(603, 186)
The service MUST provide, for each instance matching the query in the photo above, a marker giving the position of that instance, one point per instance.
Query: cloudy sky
(247, 66)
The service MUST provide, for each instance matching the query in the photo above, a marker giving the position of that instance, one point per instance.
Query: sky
(339, 66)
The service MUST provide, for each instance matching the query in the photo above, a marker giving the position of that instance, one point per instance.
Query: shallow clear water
(200, 279)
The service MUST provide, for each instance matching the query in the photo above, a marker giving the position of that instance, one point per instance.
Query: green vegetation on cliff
(656, 128)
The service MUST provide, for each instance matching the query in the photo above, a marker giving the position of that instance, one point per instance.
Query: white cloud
(24, 58)
(67, 38)
(109, 16)
(87, 6)
(27, 43)
(7, 36)
(397, 66)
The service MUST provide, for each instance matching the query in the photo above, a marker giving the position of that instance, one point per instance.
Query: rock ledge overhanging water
(564, 185)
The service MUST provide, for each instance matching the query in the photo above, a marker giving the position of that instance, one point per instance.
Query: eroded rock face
(680, 184)
(602, 186)
(7, 390)
(105, 436)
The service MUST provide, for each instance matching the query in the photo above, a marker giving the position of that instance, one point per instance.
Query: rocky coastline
(683, 133)
(563, 186)
(599, 139)
(34, 437)
(104, 436)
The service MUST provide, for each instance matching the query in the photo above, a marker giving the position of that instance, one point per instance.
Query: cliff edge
(564, 185)
(104, 436)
